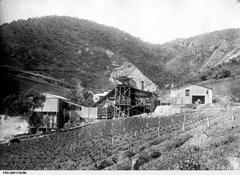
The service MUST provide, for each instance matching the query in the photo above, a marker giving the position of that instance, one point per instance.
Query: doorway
(198, 98)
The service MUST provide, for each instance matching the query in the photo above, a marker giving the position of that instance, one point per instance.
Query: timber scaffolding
(126, 100)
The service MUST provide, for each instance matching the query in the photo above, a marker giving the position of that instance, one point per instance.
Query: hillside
(81, 52)
(206, 138)
(76, 51)
(191, 57)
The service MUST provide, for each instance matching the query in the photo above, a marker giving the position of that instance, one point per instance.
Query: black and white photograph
(119, 86)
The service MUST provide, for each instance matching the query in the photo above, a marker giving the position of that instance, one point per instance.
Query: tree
(224, 73)
(203, 77)
(23, 104)
(81, 97)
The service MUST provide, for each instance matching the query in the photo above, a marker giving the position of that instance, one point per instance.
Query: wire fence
(104, 136)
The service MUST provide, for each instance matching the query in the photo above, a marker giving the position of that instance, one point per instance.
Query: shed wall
(178, 96)
(50, 105)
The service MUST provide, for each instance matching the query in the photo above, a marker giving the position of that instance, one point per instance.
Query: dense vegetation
(75, 51)
(23, 104)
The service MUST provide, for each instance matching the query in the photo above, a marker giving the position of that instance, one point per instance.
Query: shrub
(223, 141)
(155, 142)
(178, 142)
(224, 73)
(139, 159)
(155, 154)
(103, 164)
(124, 166)
(203, 77)
(129, 153)
(188, 164)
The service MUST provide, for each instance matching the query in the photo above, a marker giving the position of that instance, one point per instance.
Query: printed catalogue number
(14, 172)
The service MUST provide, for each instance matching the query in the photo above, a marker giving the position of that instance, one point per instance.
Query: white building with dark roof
(190, 94)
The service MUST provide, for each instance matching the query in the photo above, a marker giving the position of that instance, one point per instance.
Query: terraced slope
(225, 87)
(114, 144)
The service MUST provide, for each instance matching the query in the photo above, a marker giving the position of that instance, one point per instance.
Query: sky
(154, 21)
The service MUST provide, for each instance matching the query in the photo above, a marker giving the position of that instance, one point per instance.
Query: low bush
(154, 154)
(177, 142)
(223, 141)
(103, 164)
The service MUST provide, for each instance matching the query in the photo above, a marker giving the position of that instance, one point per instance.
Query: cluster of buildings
(125, 100)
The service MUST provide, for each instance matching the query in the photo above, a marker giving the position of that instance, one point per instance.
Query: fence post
(159, 131)
(112, 128)
(183, 126)
(233, 116)
(113, 141)
(208, 122)
(135, 134)
(12, 161)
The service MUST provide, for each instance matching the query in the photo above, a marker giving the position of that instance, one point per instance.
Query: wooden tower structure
(126, 100)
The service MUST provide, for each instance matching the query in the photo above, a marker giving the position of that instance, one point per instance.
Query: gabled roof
(138, 92)
(49, 95)
(191, 84)
(123, 78)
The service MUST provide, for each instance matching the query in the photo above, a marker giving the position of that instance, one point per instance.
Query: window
(207, 92)
(187, 92)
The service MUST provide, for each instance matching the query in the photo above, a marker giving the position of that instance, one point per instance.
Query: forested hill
(83, 52)
(76, 51)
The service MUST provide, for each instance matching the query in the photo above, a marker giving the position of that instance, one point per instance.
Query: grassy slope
(176, 149)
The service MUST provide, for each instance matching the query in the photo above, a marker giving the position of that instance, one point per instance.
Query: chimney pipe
(142, 87)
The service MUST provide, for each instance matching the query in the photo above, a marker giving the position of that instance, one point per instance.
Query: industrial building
(58, 111)
(126, 100)
(190, 94)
